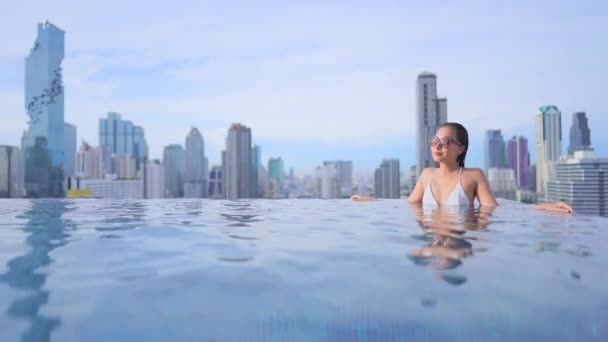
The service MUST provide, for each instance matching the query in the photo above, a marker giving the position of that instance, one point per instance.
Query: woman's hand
(561, 207)
(358, 197)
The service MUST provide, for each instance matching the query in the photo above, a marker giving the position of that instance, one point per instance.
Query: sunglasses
(445, 142)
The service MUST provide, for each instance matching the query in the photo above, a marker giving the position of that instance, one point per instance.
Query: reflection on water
(297, 270)
(46, 230)
(446, 241)
(239, 213)
(121, 216)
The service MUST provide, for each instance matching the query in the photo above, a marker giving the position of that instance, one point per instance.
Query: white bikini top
(457, 198)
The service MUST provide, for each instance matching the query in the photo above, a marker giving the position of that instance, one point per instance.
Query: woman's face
(445, 147)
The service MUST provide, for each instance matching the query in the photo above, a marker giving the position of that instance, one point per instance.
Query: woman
(451, 183)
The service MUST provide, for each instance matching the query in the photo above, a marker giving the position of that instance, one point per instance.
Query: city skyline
(310, 95)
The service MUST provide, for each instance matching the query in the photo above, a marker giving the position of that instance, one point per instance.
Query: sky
(315, 80)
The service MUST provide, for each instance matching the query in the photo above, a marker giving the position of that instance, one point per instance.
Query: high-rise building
(273, 189)
(43, 142)
(275, 185)
(532, 177)
(328, 181)
(502, 182)
(69, 147)
(431, 112)
(580, 134)
(195, 178)
(582, 181)
(215, 182)
(124, 167)
(276, 169)
(206, 177)
(345, 173)
(262, 180)
(387, 179)
(256, 153)
(224, 167)
(238, 167)
(519, 160)
(12, 175)
(378, 183)
(90, 162)
(155, 179)
(344, 177)
(494, 150)
(174, 162)
(123, 137)
(548, 146)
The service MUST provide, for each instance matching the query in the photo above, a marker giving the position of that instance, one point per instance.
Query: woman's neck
(447, 168)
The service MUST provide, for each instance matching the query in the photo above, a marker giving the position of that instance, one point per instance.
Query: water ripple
(73, 270)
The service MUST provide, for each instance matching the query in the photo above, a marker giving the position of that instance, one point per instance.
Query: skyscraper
(194, 186)
(124, 167)
(257, 164)
(519, 159)
(123, 137)
(494, 150)
(580, 134)
(90, 162)
(502, 182)
(387, 179)
(328, 183)
(431, 112)
(582, 181)
(43, 142)
(548, 146)
(215, 182)
(174, 162)
(238, 173)
(12, 175)
(342, 171)
(155, 179)
(69, 157)
(276, 169)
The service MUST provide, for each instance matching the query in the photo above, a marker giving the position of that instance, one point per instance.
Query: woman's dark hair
(462, 136)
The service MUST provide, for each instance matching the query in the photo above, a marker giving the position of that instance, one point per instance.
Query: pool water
(298, 270)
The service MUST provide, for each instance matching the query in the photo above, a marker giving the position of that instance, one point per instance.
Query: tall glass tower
(238, 166)
(494, 150)
(431, 112)
(548, 147)
(580, 134)
(123, 137)
(194, 186)
(43, 141)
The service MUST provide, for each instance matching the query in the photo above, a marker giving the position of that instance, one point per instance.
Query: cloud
(12, 117)
(323, 72)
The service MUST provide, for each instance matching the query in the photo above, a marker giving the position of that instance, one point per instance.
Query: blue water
(298, 270)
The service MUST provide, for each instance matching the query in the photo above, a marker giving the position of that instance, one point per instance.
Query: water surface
(298, 270)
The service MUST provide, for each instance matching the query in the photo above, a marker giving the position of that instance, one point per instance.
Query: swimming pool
(298, 270)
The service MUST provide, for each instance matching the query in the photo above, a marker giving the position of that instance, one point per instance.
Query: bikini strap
(460, 175)
(433, 177)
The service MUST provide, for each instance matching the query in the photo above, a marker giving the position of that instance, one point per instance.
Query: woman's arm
(561, 207)
(486, 198)
(483, 191)
(418, 192)
(358, 197)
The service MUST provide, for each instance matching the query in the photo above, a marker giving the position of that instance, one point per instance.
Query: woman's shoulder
(472, 170)
(474, 173)
(426, 175)
(429, 171)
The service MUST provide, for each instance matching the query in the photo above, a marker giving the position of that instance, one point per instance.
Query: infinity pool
(298, 270)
